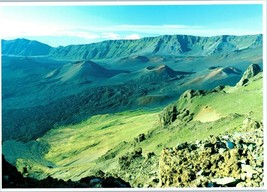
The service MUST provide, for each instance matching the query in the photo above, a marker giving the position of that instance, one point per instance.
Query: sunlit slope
(73, 150)
(219, 110)
(77, 151)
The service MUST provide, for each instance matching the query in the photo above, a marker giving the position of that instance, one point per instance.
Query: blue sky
(63, 25)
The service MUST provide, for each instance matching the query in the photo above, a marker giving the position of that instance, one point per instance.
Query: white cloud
(15, 29)
(156, 29)
(133, 36)
(82, 34)
(110, 35)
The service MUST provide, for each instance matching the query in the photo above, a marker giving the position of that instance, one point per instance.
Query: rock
(192, 147)
(251, 71)
(225, 137)
(168, 115)
(241, 184)
(218, 88)
(199, 173)
(250, 147)
(150, 154)
(220, 145)
(137, 152)
(248, 170)
(99, 173)
(181, 146)
(230, 144)
(189, 94)
(243, 161)
(221, 150)
(226, 181)
(249, 124)
(140, 138)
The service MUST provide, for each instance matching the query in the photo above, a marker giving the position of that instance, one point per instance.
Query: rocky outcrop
(138, 168)
(173, 112)
(251, 71)
(230, 160)
(168, 115)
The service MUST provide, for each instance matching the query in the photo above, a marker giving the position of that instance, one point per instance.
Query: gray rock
(248, 170)
(251, 71)
(226, 181)
(168, 115)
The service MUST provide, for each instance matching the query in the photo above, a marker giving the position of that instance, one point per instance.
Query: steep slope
(233, 94)
(83, 145)
(24, 47)
(14, 179)
(225, 150)
(132, 144)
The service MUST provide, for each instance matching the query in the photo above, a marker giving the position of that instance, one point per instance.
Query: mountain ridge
(24, 47)
(164, 45)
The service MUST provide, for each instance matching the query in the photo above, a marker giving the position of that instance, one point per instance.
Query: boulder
(218, 161)
(226, 181)
(251, 71)
(168, 115)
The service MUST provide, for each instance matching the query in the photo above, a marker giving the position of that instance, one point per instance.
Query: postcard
(133, 95)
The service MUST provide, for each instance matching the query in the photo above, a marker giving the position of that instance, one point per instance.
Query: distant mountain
(161, 45)
(69, 84)
(24, 47)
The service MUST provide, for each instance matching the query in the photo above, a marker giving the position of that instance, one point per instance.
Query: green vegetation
(80, 150)
(70, 120)
(76, 148)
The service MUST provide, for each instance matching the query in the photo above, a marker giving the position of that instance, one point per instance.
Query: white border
(137, 2)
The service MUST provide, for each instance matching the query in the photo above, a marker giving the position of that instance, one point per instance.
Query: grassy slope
(74, 149)
(244, 101)
(97, 143)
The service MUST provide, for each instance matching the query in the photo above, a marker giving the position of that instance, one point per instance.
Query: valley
(125, 108)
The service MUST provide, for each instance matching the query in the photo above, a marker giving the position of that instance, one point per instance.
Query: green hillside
(135, 139)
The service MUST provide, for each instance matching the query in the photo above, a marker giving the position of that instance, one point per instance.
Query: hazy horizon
(32, 39)
(70, 25)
